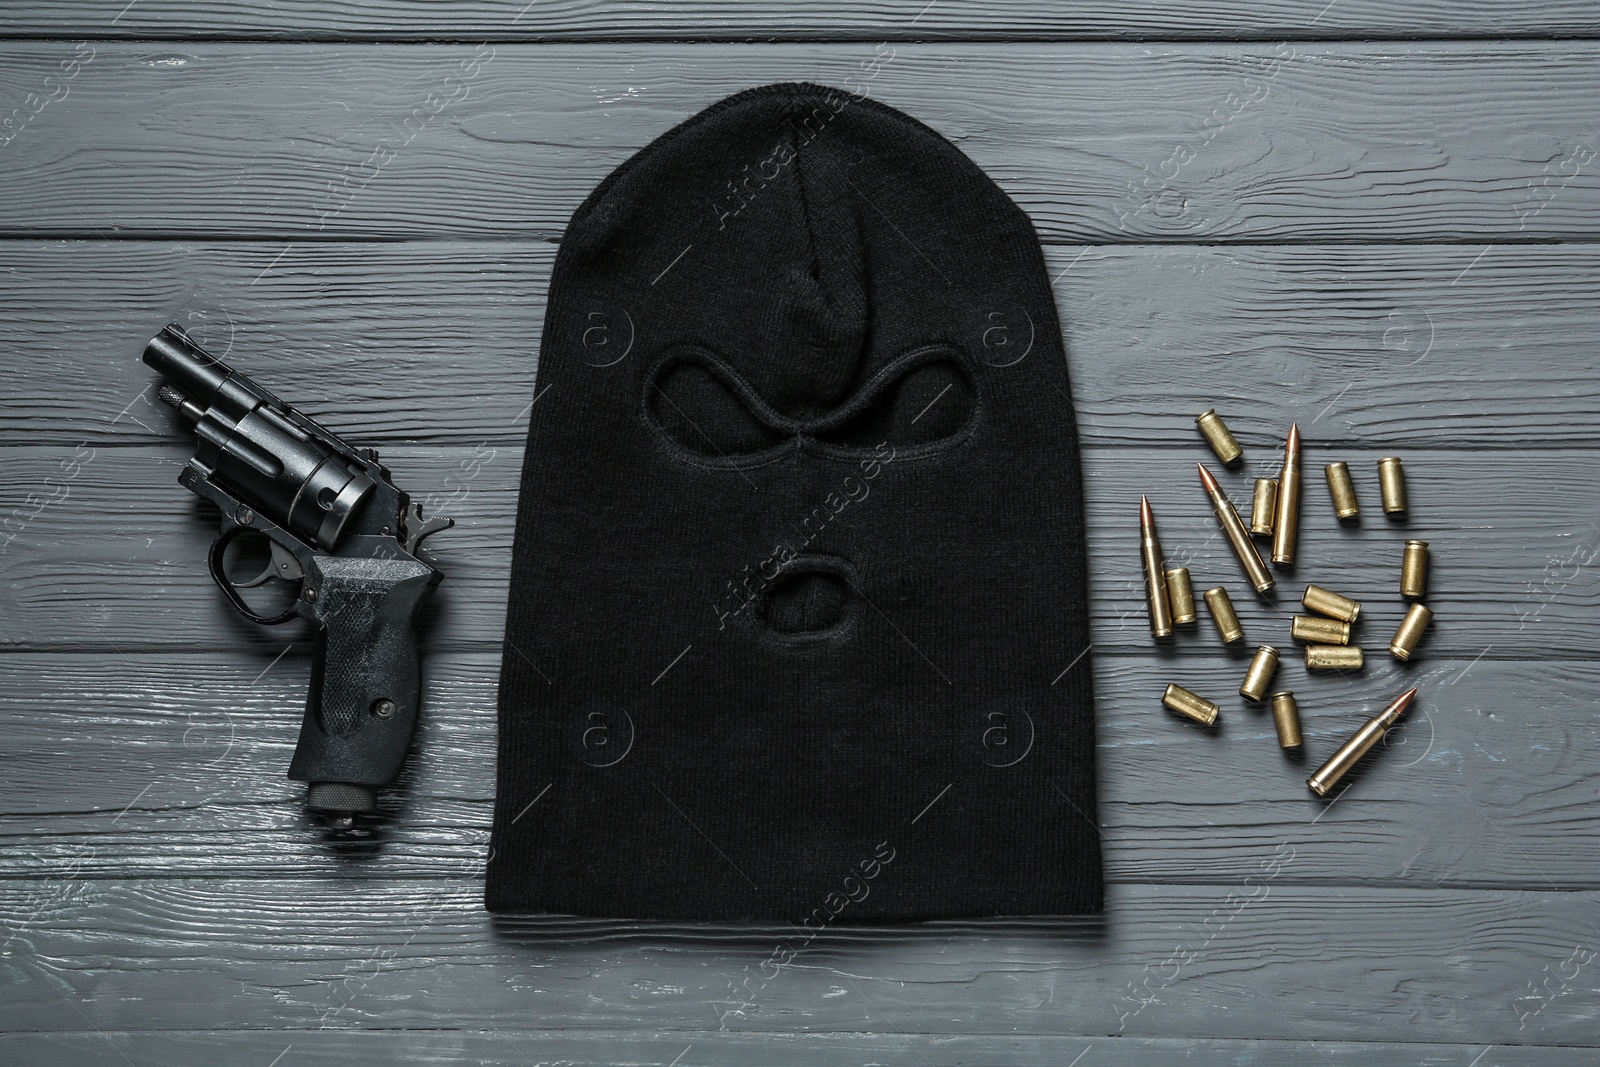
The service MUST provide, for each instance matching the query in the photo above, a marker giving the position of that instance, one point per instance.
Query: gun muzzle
(187, 367)
(248, 440)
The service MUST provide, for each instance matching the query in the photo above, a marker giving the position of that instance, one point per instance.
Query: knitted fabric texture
(798, 619)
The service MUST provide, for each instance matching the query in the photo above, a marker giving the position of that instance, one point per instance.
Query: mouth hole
(806, 602)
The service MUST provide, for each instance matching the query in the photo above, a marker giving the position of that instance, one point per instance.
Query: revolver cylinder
(248, 440)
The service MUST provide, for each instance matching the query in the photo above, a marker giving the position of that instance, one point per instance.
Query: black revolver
(337, 524)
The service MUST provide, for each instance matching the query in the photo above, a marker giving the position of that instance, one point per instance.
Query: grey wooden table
(1377, 219)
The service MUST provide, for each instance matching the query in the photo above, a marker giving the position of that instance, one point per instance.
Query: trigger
(282, 565)
(417, 527)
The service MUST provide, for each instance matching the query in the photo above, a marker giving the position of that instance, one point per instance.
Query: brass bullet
(1218, 436)
(1263, 665)
(1286, 718)
(1286, 523)
(1327, 602)
(1315, 630)
(1342, 489)
(1410, 632)
(1360, 743)
(1238, 538)
(1334, 658)
(1262, 505)
(1414, 569)
(1223, 615)
(1190, 705)
(1155, 579)
(1180, 594)
(1392, 485)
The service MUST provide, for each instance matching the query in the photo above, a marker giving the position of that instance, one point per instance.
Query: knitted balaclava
(798, 621)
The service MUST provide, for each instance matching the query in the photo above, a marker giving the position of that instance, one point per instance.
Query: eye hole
(806, 602)
(931, 401)
(697, 409)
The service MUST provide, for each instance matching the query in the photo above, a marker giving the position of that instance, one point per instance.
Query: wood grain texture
(1381, 345)
(114, 559)
(513, 1045)
(1455, 966)
(172, 765)
(1100, 143)
(704, 20)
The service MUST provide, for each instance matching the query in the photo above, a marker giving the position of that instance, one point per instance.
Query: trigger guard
(214, 561)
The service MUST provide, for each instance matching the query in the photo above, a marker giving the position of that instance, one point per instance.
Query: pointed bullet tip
(1206, 477)
(1146, 516)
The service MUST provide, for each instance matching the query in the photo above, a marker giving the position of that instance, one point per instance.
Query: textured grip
(366, 678)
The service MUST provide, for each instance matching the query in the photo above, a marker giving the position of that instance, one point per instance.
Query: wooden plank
(172, 764)
(1456, 966)
(113, 559)
(1379, 345)
(510, 1045)
(590, 20)
(1215, 142)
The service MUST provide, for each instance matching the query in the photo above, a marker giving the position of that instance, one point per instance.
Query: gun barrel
(190, 369)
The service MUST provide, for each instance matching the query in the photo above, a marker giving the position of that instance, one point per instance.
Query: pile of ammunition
(1325, 631)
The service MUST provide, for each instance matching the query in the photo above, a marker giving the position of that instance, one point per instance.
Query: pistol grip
(365, 678)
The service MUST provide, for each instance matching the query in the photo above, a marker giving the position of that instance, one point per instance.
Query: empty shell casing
(1223, 615)
(1360, 743)
(1392, 485)
(1414, 569)
(1342, 489)
(1315, 630)
(1286, 718)
(1263, 665)
(1286, 523)
(1263, 504)
(1190, 705)
(1410, 632)
(1327, 602)
(1155, 580)
(1218, 436)
(1334, 658)
(1180, 593)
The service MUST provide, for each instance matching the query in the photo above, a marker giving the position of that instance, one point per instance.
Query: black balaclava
(798, 623)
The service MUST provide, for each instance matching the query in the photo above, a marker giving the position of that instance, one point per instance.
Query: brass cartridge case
(1263, 665)
(1327, 602)
(1190, 705)
(1155, 579)
(1414, 569)
(1262, 505)
(1286, 719)
(1392, 485)
(1360, 743)
(1238, 538)
(1180, 594)
(1315, 630)
(1334, 658)
(1410, 632)
(1223, 615)
(1286, 523)
(1342, 489)
(1218, 436)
